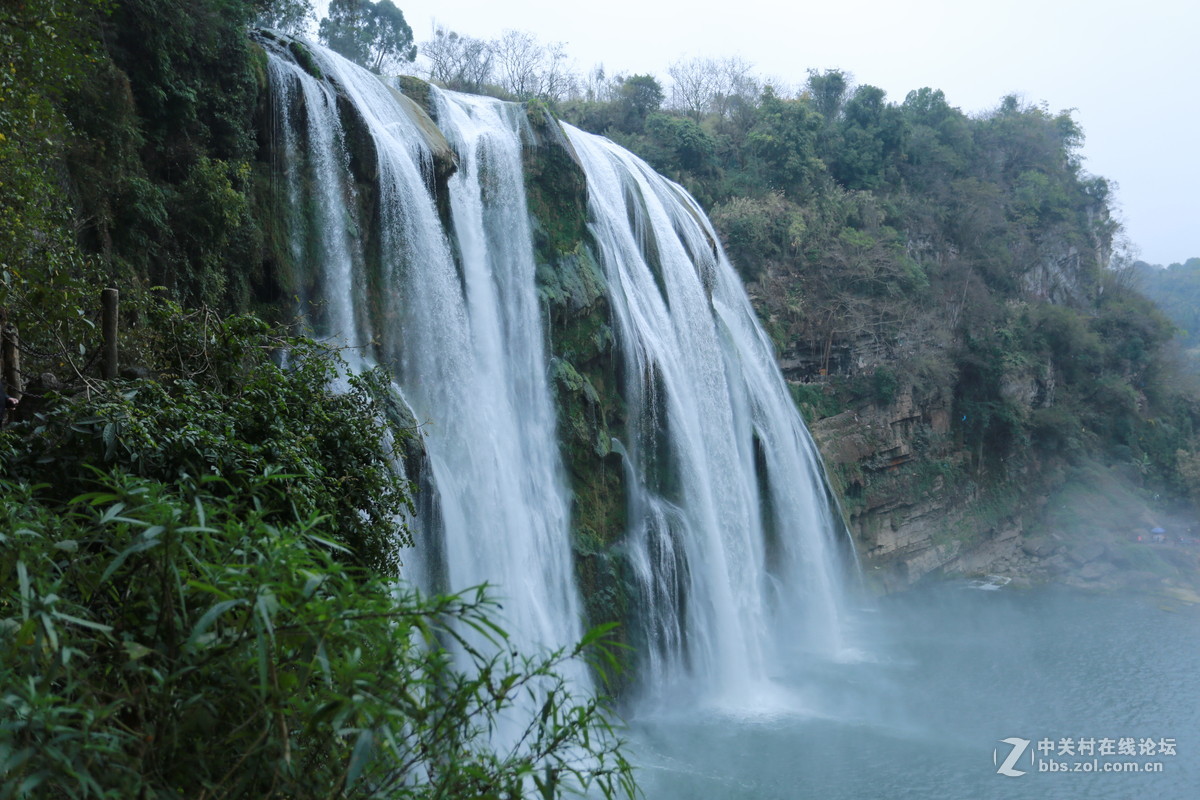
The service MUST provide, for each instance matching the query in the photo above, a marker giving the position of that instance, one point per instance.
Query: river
(950, 672)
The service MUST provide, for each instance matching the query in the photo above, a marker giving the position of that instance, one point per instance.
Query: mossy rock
(591, 411)
(305, 59)
(443, 157)
(556, 187)
(364, 158)
(419, 91)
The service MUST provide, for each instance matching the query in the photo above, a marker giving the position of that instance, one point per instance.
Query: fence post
(11, 354)
(108, 326)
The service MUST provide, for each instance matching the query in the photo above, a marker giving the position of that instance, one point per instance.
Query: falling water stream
(731, 533)
(463, 333)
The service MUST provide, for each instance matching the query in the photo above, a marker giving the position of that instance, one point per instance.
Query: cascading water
(314, 159)
(464, 336)
(730, 532)
(730, 526)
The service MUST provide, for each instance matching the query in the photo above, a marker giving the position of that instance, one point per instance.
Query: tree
(784, 142)
(182, 612)
(527, 68)
(828, 91)
(638, 96)
(939, 144)
(734, 87)
(46, 49)
(724, 88)
(558, 82)
(185, 642)
(687, 145)
(518, 57)
(694, 83)
(290, 16)
(870, 134)
(373, 35)
(458, 62)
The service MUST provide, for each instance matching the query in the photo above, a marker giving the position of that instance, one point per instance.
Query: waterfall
(314, 158)
(730, 528)
(730, 537)
(463, 334)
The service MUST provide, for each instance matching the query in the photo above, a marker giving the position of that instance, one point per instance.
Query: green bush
(163, 644)
(198, 597)
(233, 398)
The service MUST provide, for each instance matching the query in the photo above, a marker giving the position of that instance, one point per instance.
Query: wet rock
(1057, 565)
(1086, 552)
(1040, 548)
(1095, 570)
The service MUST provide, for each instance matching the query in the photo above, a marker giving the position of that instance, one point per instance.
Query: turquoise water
(920, 712)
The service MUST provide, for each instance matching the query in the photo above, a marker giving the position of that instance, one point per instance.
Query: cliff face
(919, 495)
(911, 503)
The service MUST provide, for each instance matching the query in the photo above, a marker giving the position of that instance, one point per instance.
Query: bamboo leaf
(359, 757)
(210, 616)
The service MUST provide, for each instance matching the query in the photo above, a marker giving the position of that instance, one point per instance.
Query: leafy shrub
(198, 597)
(162, 644)
(235, 399)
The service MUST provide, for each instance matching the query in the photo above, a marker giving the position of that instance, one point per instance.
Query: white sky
(1131, 69)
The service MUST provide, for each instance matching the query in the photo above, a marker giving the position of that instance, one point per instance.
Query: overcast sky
(1131, 69)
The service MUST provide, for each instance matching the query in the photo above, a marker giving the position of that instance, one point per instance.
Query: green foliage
(197, 596)
(1176, 290)
(863, 148)
(939, 144)
(815, 402)
(155, 643)
(885, 385)
(827, 91)
(1065, 336)
(638, 97)
(163, 136)
(784, 141)
(47, 55)
(1056, 429)
(210, 220)
(685, 145)
(289, 16)
(754, 231)
(190, 71)
(374, 35)
(222, 406)
(899, 226)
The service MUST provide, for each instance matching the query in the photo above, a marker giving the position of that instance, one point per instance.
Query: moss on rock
(305, 59)
(419, 91)
(556, 187)
(586, 384)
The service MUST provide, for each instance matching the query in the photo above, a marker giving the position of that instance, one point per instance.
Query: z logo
(1018, 749)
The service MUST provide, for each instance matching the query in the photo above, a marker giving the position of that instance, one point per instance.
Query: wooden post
(108, 326)
(11, 353)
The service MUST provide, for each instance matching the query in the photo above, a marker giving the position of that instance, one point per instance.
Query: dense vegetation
(1176, 290)
(900, 246)
(904, 255)
(198, 591)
